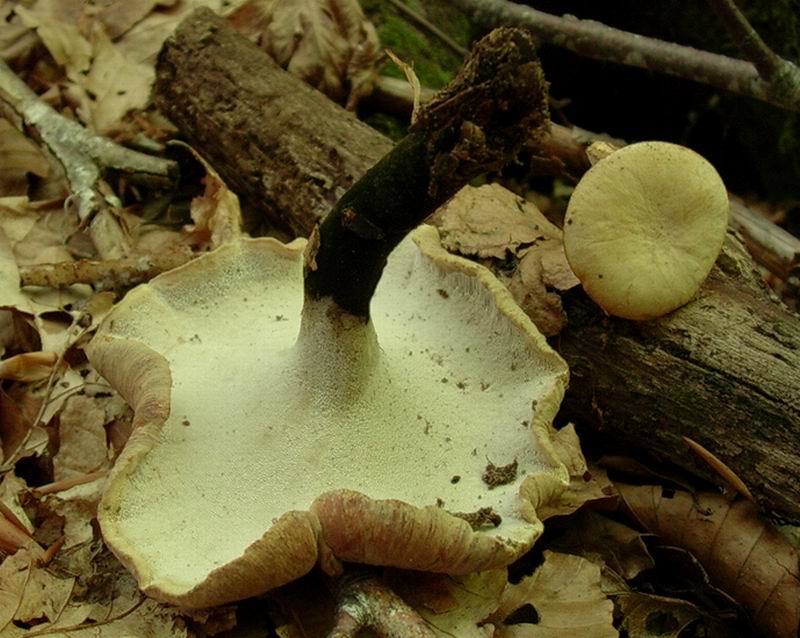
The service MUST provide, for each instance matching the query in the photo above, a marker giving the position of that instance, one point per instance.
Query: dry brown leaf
(29, 366)
(17, 217)
(492, 222)
(650, 616)
(11, 489)
(143, 41)
(78, 507)
(476, 597)
(567, 597)
(744, 556)
(127, 614)
(30, 593)
(216, 213)
(16, 40)
(60, 36)
(18, 157)
(116, 84)
(31, 301)
(585, 485)
(528, 287)
(328, 43)
(46, 241)
(422, 589)
(18, 409)
(82, 438)
(119, 16)
(603, 540)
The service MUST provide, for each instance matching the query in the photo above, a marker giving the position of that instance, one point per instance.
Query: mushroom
(643, 228)
(306, 404)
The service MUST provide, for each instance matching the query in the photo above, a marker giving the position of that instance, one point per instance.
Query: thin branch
(111, 274)
(83, 156)
(742, 32)
(599, 41)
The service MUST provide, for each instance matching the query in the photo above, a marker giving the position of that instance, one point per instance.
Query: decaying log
(723, 371)
(285, 150)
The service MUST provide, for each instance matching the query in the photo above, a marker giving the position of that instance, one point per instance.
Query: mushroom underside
(276, 455)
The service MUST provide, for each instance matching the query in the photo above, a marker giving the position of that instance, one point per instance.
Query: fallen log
(722, 371)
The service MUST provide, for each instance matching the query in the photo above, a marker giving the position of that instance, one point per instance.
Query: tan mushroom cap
(254, 458)
(643, 228)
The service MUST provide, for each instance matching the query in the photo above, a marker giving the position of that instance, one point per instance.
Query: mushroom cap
(254, 458)
(643, 228)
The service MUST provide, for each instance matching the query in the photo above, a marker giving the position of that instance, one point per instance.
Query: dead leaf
(492, 222)
(62, 38)
(19, 406)
(422, 589)
(744, 556)
(585, 484)
(119, 16)
(11, 489)
(143, 41)
(28, 366)
(19, 156)
(116, 84)
(528, 288)
(16, 40)
(78, 507)
(82, 438)
(328, 43)
(562, 598)
(603, 541)
(216, 213)
(650, 616)
(476, 597)
(30, 593)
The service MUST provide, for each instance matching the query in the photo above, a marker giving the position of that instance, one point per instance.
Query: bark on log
(722, 371)
(286, 149)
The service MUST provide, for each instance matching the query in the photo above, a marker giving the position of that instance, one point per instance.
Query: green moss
(434, 62)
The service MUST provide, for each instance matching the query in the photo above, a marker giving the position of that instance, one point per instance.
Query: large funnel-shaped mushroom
(288, 418)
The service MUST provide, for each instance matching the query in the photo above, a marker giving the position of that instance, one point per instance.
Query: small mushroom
(310, 403)
(643, 228)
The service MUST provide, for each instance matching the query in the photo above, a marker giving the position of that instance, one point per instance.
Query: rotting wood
(721, 371)
(289, 152)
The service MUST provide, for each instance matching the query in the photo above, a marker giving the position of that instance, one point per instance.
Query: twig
(426, 24)
(782, 75)
(83, 155)
(65, 484)
(745, 36)
(599, 41)
(110, 274)
(366, 603)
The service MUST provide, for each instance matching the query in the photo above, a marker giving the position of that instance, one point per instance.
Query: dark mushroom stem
(478, 123)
